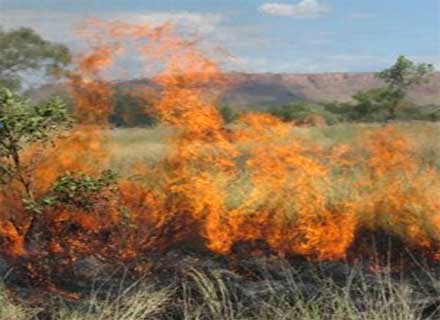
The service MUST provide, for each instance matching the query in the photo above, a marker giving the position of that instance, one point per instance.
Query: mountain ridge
(263, 90)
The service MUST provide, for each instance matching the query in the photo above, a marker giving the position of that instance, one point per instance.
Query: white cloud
(322, 64)
(302, 9)
(202, 23)
(60, 26)
(216, 36)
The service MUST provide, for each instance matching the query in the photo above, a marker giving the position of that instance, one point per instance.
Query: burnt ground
(375, 265)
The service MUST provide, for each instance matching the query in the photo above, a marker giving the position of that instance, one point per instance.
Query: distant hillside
(273, 89)
(267, 90)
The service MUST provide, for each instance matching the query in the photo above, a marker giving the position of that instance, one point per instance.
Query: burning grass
(259, 187)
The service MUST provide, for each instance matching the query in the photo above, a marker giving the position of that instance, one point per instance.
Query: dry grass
(216, 293)
(210, 293)
(138, 145)
(11, 310)
(139, 301)
(150, 145)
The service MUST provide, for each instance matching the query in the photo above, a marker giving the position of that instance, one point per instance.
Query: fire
(255, 182)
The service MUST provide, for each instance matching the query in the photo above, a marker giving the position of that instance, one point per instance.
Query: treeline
(388, 103)
(336, 112)
(24, 52)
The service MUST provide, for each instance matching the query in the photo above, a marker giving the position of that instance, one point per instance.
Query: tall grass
(136, 301)
(128, 146)
(13, 310)
(309, 292)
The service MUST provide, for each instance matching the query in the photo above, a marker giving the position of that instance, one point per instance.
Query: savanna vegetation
(309, 211)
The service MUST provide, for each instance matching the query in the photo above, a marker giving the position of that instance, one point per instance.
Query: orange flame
(256, 181)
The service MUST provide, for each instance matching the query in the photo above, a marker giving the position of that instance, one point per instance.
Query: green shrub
(300, 110)
(21, 124)
(81, 191)
(228, 114)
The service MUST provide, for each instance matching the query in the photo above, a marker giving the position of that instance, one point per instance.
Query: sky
(280, 36)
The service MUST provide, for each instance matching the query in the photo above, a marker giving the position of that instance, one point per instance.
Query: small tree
(400, 77)
(23, 50)
(20, 125)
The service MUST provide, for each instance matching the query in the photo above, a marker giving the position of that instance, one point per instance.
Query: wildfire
(257, 181)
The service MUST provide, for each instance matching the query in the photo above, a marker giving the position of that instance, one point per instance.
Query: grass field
(192, 286)
(150, 145)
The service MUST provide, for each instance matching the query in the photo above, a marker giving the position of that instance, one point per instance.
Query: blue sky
(301, 36)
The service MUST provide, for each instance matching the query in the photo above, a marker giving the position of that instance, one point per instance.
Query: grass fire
(201, 217)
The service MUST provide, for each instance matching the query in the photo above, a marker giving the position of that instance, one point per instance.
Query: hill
(276, 89)
(268, 89)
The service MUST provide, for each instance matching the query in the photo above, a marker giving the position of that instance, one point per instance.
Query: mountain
(265, 90)
(275, 89)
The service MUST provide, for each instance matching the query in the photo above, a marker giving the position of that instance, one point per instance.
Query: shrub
(80, 190)
(302, 110)
(22, 124)
(228, 114)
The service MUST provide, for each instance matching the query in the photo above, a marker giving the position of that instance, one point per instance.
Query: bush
(228, 114)
(420, 113)
(82, 191)
(300, 111)
(21, 124)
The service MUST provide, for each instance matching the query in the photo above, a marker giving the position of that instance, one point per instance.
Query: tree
(20, 125)
(23, 50)
(400, 77)
(372, 105)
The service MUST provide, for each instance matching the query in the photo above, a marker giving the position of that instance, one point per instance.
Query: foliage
(24, 50)
(343, 110)
(399, 78)
(404, 74)
(420, 113)
(300, 110)
(22, 124)
(371, 105)
(80, 190)
(228, 114)
(388, 102)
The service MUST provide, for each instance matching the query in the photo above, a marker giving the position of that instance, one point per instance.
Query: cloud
(216, 36)
(321, 64)
(60, 26)
(202, 23)
(302, 9)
